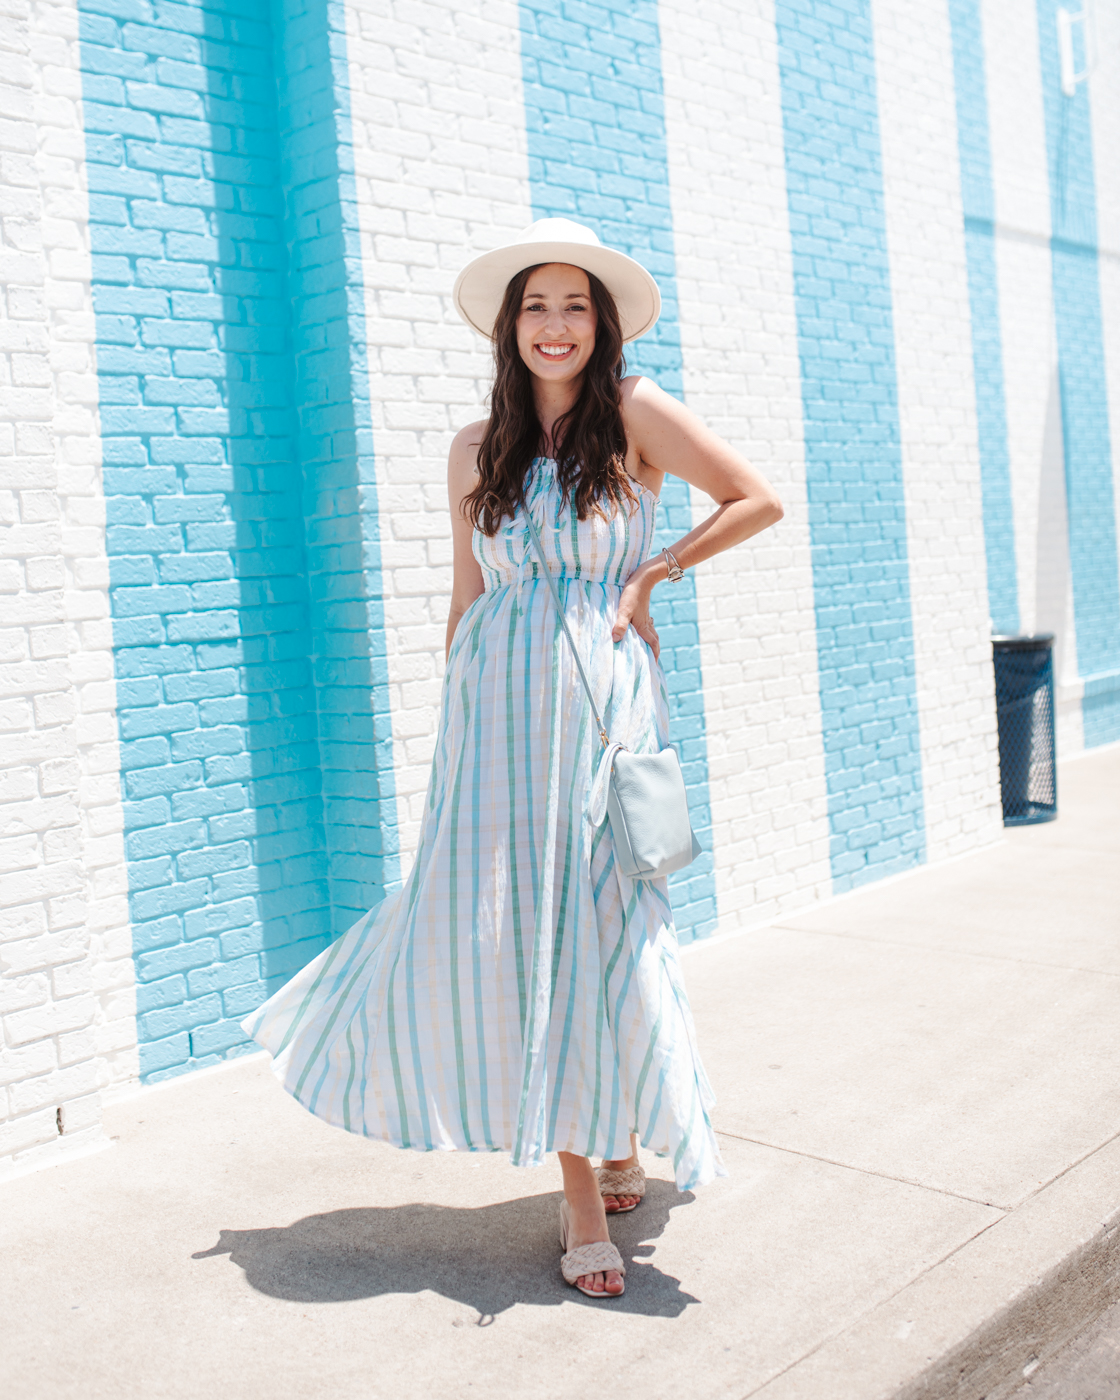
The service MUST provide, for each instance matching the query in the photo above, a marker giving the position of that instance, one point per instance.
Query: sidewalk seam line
(870, 1171)
(1092, 1151)
(1005, 1213)
(881, 1303)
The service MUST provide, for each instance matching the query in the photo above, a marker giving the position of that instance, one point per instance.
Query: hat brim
(482, 284)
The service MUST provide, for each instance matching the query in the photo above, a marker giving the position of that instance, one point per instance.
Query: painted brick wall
(1106, 136)
(937, 403)
(1022, 231)
(210, 611)
(741, 374)
(242, 508)
(849, 390)
(440, 171)
(1086, 432)
(67, 1012)
(335, 451)
(280, 199)
(970, 82)
(1026, 310)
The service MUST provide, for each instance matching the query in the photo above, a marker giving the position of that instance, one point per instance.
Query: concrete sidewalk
(919, 1106)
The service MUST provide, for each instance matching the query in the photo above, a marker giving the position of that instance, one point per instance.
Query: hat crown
(559, 231)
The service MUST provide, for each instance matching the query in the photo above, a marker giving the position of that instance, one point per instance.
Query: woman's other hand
(633, 610)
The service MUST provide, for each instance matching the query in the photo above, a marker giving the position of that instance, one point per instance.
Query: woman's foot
(613, 1205)
(587, 1221)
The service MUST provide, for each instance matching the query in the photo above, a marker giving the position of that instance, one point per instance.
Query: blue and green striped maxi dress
(519, 993)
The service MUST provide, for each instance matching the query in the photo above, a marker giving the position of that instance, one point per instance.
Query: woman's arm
(670, 438)
(461, 474)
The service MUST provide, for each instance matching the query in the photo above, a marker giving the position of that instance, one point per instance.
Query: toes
(611, 1204)
(614, 1282)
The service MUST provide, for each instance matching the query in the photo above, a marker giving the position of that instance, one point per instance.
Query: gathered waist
(534, 572)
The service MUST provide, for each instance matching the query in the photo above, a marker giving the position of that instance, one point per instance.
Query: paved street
(919, 1109)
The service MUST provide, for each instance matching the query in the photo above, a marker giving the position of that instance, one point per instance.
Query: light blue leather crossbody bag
(642, 794)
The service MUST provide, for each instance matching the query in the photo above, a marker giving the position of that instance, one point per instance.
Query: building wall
(947, 507)
(741, 374)
(1105, 134)
(67, 1006)
(441, 172)
(231, 373)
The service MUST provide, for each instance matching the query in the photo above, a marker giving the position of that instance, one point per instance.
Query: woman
(521, 993)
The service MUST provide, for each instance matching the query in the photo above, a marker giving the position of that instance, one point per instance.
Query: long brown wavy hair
(589, 440)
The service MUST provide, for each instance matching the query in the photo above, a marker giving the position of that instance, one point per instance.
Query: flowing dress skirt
(519, 993)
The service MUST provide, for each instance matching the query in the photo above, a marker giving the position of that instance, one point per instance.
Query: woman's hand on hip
(633, 611)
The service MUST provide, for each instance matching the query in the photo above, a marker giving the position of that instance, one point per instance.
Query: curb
(979, 1323)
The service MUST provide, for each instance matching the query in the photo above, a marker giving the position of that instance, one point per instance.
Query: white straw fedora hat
(481, 285)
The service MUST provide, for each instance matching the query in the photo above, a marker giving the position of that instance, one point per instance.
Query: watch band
(675, 572)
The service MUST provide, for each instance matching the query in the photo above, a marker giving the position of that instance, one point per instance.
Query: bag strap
(564, 622)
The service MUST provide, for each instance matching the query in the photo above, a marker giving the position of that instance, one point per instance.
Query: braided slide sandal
(597, 1258)
(631, 1181)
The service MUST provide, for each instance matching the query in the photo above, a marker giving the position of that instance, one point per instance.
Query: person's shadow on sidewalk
(489, 1258)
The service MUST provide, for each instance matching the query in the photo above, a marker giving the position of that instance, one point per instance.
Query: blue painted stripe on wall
(595, 118)
(857, 518)
(214, 639)
(207, 591)
(343, 540)
(977, 197)
(1081, 373)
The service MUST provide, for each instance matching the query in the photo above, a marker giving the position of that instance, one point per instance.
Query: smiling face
(556, 323)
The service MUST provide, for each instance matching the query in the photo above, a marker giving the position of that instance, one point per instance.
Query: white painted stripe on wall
(937, 421)
(741, 375)
(67, 1002)
(1034, 423)
(78, 446)
(442, 173)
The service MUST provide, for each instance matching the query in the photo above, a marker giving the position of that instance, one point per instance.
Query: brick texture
(855, 481)
(938, 425)
(211, 613)
(1022, 235)
(1106, 135)
(741, 374)
(441, 173)
(67, 1023)
(1088, 437)
(230, 375)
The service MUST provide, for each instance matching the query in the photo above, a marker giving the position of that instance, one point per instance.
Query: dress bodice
(597, 549)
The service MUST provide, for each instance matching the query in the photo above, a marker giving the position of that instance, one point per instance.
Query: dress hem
(702, 1178)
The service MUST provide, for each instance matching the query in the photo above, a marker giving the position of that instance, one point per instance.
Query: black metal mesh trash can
(1025, 713)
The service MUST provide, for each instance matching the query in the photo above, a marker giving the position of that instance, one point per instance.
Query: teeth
(554, 349)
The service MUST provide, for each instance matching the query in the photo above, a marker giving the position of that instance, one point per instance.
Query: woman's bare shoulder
(467, 440)
(462, 459)
(643, 397)
(648, 413)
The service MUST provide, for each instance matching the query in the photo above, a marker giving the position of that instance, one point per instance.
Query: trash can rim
(1040, 641)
